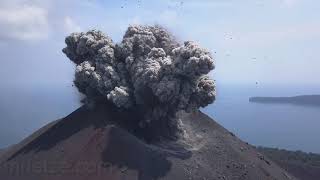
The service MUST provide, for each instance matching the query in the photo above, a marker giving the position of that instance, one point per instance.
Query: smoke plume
(149, 70)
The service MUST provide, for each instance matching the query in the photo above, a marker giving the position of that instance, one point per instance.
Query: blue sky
(264, 41)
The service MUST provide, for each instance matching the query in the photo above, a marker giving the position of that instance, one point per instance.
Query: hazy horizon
(26, 110)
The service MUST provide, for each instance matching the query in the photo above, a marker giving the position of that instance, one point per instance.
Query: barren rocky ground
(96, 144)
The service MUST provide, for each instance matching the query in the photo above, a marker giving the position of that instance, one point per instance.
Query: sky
(253, 41)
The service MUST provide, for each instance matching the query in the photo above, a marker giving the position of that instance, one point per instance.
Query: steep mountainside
(303, 165)
(96, 144)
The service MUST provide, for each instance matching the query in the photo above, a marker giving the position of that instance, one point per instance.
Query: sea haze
(289, 126)
(25, 110)
(274, 125)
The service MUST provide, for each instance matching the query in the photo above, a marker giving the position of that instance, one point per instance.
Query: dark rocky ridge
(2, 151)
(308, 100)
(97, 144)
(303, 165)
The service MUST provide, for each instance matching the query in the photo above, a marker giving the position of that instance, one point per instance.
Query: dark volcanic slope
(88, 145)
(1, 151)
(310, 100)
(303, 165)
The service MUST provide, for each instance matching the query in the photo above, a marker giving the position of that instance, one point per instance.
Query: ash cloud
(149, 70)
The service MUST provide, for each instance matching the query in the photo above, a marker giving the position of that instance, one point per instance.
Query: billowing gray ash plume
(148, 71)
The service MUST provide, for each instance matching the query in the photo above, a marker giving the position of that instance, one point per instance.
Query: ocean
(291, 127)
(26, 109)
(285, 126)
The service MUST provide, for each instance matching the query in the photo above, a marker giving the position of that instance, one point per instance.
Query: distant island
(309, 100)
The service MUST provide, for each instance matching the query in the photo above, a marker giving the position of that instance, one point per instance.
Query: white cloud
(24, 22)
(70, 26)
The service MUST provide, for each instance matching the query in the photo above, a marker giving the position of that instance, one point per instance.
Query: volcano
(102, 143)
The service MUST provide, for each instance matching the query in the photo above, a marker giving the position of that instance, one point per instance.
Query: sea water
(293, 127)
